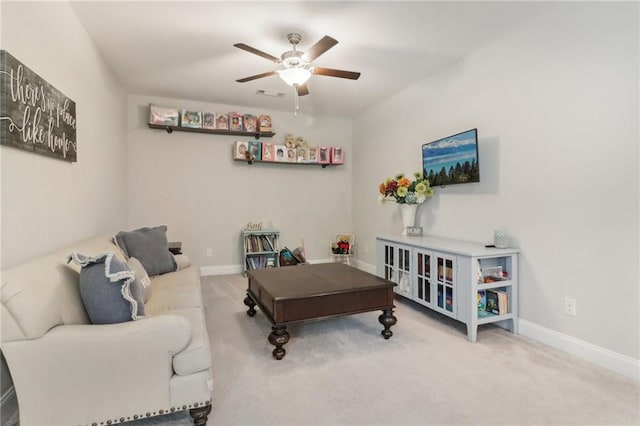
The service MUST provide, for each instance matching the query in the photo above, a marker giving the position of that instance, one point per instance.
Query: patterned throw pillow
(150, 247)
(108, 289)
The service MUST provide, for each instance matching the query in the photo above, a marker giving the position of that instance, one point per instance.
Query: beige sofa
(67, 371)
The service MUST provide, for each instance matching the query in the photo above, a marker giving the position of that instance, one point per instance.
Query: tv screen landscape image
(452, 160)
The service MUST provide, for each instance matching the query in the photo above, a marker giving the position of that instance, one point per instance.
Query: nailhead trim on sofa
(148, 414)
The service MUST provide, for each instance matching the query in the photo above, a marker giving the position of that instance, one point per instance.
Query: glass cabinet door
(445, 284)
(397, 267)
(424, 278)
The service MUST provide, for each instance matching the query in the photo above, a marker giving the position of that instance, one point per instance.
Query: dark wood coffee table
(306, 293)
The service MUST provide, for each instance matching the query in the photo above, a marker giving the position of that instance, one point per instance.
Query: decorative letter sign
(34, 115)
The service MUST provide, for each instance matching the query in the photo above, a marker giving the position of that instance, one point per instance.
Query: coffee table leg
(249, 302)
(278, 338)
(387, 319)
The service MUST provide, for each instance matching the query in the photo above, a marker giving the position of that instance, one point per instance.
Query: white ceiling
(185, 50)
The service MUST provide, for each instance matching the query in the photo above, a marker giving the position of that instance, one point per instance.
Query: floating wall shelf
(170, 129)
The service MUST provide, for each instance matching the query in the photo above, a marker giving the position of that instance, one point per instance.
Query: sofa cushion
(142, 278)
(177, 290)
(150, 247)
(108, 289)
(196, 356)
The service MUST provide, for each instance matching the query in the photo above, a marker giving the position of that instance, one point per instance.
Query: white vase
(408, 214)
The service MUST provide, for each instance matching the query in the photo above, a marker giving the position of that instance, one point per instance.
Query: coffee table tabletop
(305, 293)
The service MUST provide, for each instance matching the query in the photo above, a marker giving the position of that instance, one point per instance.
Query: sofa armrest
(81, 374)
(182, 260)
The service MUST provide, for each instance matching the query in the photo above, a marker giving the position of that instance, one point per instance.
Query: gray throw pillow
(108, 289)
(142, 278)
(150, 247)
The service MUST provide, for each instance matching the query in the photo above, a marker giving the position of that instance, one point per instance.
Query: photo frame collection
(270, 152)
(233, 121)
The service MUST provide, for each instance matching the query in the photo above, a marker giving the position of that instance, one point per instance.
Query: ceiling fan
(297, 65)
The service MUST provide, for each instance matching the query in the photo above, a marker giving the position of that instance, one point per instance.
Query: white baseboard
(8, 405)
(610, 360)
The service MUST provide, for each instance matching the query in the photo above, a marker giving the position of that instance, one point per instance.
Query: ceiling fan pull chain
(297, 107)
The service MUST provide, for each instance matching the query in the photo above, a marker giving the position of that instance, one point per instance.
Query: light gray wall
(190, 182)
(47, 203)
(556, 107)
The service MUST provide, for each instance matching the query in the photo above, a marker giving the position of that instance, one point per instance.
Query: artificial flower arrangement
(403, 190)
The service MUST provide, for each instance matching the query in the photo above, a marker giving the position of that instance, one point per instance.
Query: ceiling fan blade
(303, 90)
(337, 73)
(324, 44)
(256, 52)
(257, 76)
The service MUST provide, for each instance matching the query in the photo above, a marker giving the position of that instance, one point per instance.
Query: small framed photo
(264, 123)
(163, 115)
(235, 121)
(324, 153)
(250, 123)
(291, 155)
(337, 155)
(191, 119)
(255, 149)
(281, 153)
(240, 150)
(313, 155)
(302, 154)
(208, 120)
(222, 122)
(268, 154)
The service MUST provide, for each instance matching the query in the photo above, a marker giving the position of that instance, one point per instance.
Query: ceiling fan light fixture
(294, 76)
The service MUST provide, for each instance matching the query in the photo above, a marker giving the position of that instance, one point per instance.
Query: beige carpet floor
(342, 372)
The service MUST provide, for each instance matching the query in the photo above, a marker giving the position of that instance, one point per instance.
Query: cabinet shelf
(170, 129)
(259, 253)
(489, 318)
(495, 284)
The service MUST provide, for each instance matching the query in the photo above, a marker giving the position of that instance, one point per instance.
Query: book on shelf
(497, 302)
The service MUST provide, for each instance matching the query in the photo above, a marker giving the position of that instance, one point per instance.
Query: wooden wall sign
(34, 115)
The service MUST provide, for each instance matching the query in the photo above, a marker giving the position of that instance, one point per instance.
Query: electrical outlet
(209, 252)
(570, 306)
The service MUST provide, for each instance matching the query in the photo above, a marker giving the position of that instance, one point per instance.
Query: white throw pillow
(141, 277)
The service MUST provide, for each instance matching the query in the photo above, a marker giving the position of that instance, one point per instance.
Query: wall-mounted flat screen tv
(452, 160)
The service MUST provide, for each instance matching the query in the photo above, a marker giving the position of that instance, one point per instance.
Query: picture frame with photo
(337, 155)
(264, 123)
(164, 116)
(268, 153)
(292, 155)
(324, 155)
(250, 123)
(313, 154)
(191, 119)
(208, 120)
(235, 121)
(240, 150)
(255, 150)
(280, 153)
(302, 154)
(222, 121)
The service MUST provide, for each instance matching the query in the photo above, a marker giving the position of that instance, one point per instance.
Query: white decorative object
(408, 214)
(500, 239)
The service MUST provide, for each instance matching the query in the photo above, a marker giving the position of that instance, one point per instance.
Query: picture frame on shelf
(222, 121)
(255, 149)
(268, 153)
(240, 150)
(235, 121)
(292, 155)
(250, 123)
(302, 154)
(280, 153)
(313, 155)
(164, 116)
(324, 155)
(191, 119)
(337, 155)
(264, 123)
(208, 120)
